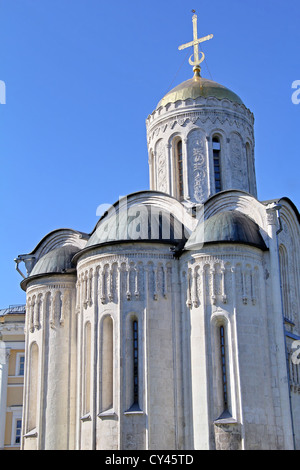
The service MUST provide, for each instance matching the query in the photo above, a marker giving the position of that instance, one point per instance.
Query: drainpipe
(29, 263)
(18, 261)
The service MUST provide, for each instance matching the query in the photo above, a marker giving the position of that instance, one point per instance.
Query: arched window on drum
(216, 148)
(179, 168)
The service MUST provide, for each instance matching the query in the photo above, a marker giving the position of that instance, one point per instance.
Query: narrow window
(152, 171)
(21, 365)
(179, 168)
(217, 166)
(223, 366)
(284, 280)
(249, 166)
(18, 431)
(135, 363)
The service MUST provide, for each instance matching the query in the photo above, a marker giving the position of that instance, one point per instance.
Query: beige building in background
(12, 362)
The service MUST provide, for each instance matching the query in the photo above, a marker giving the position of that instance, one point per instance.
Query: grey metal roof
(12, 309)
(58, 260)
(227, 227)
(140, 222)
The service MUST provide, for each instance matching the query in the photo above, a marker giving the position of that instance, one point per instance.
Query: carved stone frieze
(213, 278)
(53, 304)
(199, 118)
(122, 277)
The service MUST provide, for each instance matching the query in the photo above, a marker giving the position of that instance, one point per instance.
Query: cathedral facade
(175, 323)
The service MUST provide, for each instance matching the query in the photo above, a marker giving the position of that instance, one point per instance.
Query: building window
(179, 168)
(249, 166)
(135, 363)
(134, 377)
(223, 367)
(216, 146)
(21, 365)
(152, 171)
(18, 431)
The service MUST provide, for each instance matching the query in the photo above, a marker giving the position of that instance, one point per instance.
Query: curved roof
(196, 87)
(139, 222)
(59, 236)
(288, 201)
(227, 227)
(58, 260)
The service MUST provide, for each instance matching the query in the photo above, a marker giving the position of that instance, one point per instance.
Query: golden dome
(196, 87)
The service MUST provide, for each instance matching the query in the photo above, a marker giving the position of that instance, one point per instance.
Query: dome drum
(193, 115)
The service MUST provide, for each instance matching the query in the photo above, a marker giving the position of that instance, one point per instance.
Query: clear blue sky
(81, 77)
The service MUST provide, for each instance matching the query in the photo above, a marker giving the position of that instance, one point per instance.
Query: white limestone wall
(50, 374)
(289, 253)
(295, 399)
(116, 287)
(225, 285)
(79, 370)
(195, 122)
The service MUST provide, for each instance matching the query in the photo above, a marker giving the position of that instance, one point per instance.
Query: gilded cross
(196, 41)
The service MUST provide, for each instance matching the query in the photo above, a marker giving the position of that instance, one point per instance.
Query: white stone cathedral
(175, 324)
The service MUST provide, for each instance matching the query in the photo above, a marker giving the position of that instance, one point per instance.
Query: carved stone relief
(198, 184)
(56, 301)
(239, 173)
(215, 279)
(161, 167)
(125, 278)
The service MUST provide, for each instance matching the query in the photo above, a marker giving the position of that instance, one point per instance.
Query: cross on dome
(195, 43)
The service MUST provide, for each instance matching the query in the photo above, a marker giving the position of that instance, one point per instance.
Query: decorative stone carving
(198, 185)
(120, 277)
(161, 167)
(239, 172)
(183, 119)
(217, 277)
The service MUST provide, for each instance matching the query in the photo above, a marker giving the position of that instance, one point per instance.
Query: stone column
(185, 166)
(4, 360)
(199, 366)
